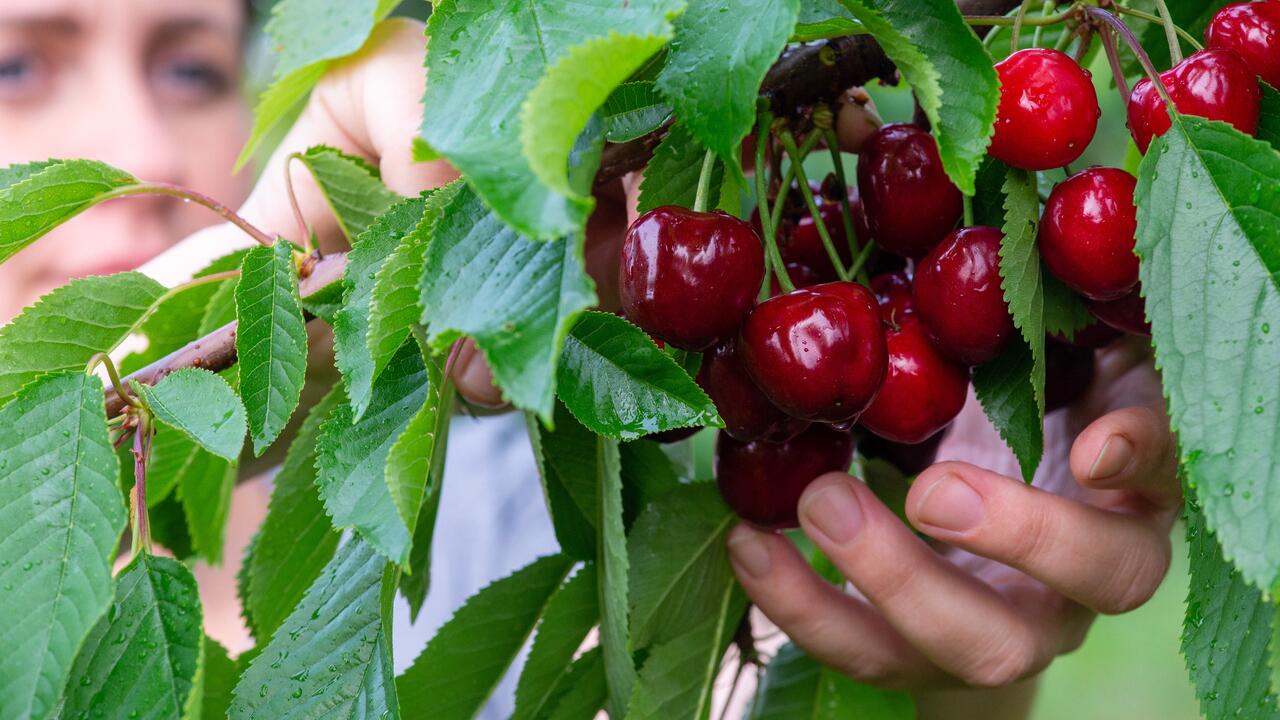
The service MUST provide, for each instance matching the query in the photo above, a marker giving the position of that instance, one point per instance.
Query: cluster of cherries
(799, 376)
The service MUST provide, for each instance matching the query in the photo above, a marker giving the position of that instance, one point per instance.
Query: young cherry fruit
(1252, 30)
(1213, 83)
(763, 481)
(923, 391)
(1128, 314)
(688, 277)
(1048, 110)
(893, 291)
(748, 415)
(819, 352)
(957, 294)
(909, 202)
(1068, 372)
(1088, 232)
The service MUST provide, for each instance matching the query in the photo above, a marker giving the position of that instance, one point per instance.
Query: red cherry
(1048, 110)
(909, 202)
(763, 481)
(1252, 30)
(748, 415)
(801, 276)
(1094, 336)
(1213, 83)
(923, 392)
(910, 459)
(959, 298)
(1068, 371)
(893, 290)
(819, 352)
(688, 277)
(1087, 233)
(1128, 314)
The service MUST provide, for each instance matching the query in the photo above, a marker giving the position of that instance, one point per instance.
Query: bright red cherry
(763, 481)
(1213, 83)
(959, 298)
(1128, 314)
(1048, 110)
(910, 459)
(909, 202)
(819, 352)
(893, 290)
(748, 415)
(1068, 372)
(688, 277)
(1252, 30)
(1087, 233)
(923, 392)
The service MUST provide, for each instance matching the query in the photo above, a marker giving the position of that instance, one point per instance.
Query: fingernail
(833, 511)
(1115, 456)
(951, 504)
(749, 552)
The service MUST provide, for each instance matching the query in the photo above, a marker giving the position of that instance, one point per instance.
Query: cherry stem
(113, 376)
(842, 187)
(701, 199)
(171, 190)
(797, 163)
(858, 269)
(805, 148)
(1187, 37)
(1170, 31)
(968, 210)
(1012, 21)
(1113, 57)
(1086, 41)
(141, 537)
(773, 258)
(303, 228)
(1132, 41)
(1048, 7)
(1017, 26)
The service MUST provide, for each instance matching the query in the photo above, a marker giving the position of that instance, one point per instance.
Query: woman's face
(149, 86)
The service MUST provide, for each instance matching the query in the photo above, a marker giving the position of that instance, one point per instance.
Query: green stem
(1132, 41)
(968, 211)
(1006, 21)
(171, 190)
(797, 163)
(1170, 31)
(790, 175)
(113, 376)
(1187, 37)
(842, 187)
(773, 258)
(1047, 8)
(1063, 41)
(141, 535)
(1018, 22)
(704, 182)
(859, 269)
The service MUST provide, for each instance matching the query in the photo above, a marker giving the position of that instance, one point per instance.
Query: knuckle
(1031, 534)
(1005, 663)
(890, 581)
(1136, 576)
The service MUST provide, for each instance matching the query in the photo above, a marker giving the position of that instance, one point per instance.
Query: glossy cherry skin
(923, 391)
(1088, 230)
(1068, 371)
(1128, 314)
(910, 459)
(909, 202)
(893, 291)
(1213, 83)
(819, 352)
(689, 278)
(957, 294)
(763, 481)
(1252, 30)
(1048, 110)
(748, 415)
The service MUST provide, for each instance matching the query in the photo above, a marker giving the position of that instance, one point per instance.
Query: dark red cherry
(819, 352)
(667, 437)
(801, 276)
(1087, 233)
(910, 459)
(1252, 30)
(1093, 336)
(959, 298)
(1048, 110)
(1214, 84)
(893, 291)
(688, 277)
(763, 481)
(909, 202)
(748, 415)
(923, 391)
(1128, 314)
(1068, 371)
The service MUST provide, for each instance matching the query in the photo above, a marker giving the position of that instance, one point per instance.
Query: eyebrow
(67, 24)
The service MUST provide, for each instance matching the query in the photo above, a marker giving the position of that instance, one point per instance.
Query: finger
(1130, 449)
(1108, 561)
(474, 379)
(841, 631)
(961, 624)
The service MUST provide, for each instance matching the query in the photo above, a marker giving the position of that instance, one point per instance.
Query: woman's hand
(1015, 573)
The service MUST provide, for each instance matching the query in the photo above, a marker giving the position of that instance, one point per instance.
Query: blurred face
(149, 86)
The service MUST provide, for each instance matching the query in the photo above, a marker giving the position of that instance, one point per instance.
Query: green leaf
(1004, 388)
(671, 177)
(611, 558)
(587, 688)
(1269, 117)
(205, 491)
(17, 172)
(633, 110)
(1227, 632)
(50, 196)
(295, 540)
(679, 563)
(332, 656)
(570, 614)
(1209, 238)
(351, 325)
(822, 19)
(352, 456)
(721, 52)
(952, 75)
(463, 663)
(535, 66)
(271, 341)
(516, 297)
(1064, 312)
(1020, 270)
(566, 458)
(70, 325)
(616, 381)
(352, 187)
(144, 653)
(220, 310)
(62, 520)
(647, 474)
(795, 686)
(218, 675)
(202, 406)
